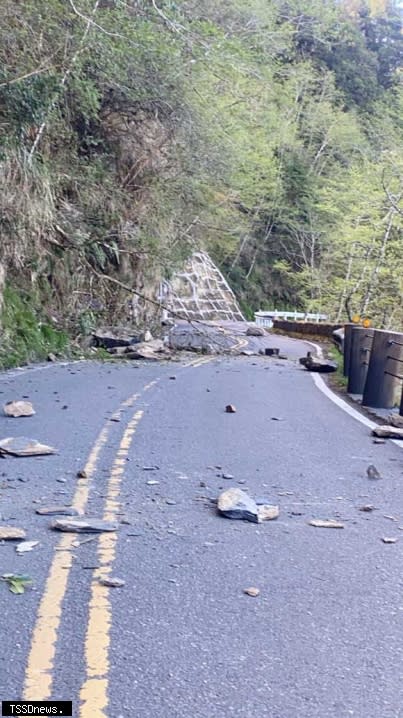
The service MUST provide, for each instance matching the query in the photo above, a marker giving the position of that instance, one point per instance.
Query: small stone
(150, 468)
(11, 533)
(373, 473)
(82, 474)
(237, 504)
(202, 484)
(367, 508)
(52, 357)
(26, 546)
(112, 582)
(62, 481)
(389, 539)
(84, 525)
(17, 409)
(378, 441)
(170, 502)
(326, 524)
(266, 512)
(230, 409)
(57, 511)
(229, 477)
(152, 482)
(172, 378)
(252, 591)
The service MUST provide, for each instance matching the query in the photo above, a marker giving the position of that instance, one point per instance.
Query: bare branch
(24, 77)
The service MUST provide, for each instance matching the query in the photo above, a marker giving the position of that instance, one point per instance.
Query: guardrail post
(348, 328)
(385, 370)
(361, 343)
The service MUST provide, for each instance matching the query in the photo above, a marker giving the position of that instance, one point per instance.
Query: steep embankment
(133, 133)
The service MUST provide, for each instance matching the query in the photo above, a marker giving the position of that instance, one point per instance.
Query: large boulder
(255, 331)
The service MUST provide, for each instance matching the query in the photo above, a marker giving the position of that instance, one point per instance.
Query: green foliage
(268, 133)
(26, 336)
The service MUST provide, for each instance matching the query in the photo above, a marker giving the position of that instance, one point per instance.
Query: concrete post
(361, 343)
(348, 328)
(385, 370)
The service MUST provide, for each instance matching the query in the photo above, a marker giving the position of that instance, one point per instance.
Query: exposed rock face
(200, 291)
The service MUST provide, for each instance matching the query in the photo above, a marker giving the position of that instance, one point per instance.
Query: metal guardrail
(373, 363)
(266, 318)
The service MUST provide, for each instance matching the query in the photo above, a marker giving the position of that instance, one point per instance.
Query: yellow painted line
(94, 691)
(38, 674)
(198, 362)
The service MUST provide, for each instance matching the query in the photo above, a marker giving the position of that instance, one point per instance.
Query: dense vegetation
(269, 132)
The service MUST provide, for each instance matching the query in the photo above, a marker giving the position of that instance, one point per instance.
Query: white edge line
(323, 387)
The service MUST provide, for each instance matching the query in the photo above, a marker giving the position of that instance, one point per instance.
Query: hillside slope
(132, 133)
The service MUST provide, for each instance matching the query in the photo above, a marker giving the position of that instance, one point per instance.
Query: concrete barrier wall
(312, 328)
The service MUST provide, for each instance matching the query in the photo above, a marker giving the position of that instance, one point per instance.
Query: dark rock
(272, 351)
(318, 365)
(84, 525)
(109, 338)
(230, 409)
(237, 504)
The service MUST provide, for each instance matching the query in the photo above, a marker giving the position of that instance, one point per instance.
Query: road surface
(181, 639)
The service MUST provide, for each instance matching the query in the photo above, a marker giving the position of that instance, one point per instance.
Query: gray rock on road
(237, 504)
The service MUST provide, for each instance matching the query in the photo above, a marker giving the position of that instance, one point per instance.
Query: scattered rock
(255, 331)
(57, 511)
(152, 482)
(388, 432)
(373, 473)
(247, 353)
(170, 502)
(378, 441)
(18, 408)
(112, 582)
(109, 339)
(150, 468)
(252, 591)
(84, 525)
(396, 420)
(237, 504)
(276, 418)
(172, 378)
(152, 350)
(389, 539)
(318, 365)
(326, 524)
(367, 508)
(26, 546)
(230, 409)
(228, 477)
(82, 474)
(22, 446)
(147, 336)
(266, 512)
(272, 351)
(11, 533)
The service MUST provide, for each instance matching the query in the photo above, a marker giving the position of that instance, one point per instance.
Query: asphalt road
(181, 639)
